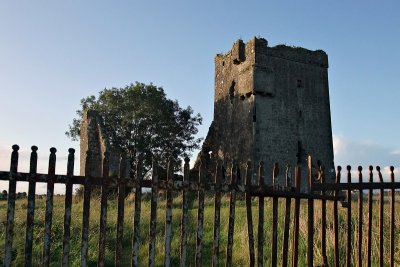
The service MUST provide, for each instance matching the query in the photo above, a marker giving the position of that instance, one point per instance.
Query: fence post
(288, 204)
(275, 185)
(348, 247)
(381, 202)
(323, 213)
(138, 211)
(185, 207)
(86, 207)
(296, 225)
(30, 214)
(235, 180)
(335, 217)
(121, 209)
(370, 196)
(200, 211)
(103, 209)
(168, 213)
(392, 210)
(260, 229)
(153, 215)
(249, 213)
(217, 213)
(360, 217)
(310, 230)
(68, 207)
(49, 207)
(11, 206)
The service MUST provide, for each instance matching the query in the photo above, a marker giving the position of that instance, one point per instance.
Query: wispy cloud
(363, 153)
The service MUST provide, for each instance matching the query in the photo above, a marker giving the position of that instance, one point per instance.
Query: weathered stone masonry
(271, 104)
(92, 139)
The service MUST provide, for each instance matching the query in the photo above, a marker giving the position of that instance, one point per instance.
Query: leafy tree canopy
(139, 118)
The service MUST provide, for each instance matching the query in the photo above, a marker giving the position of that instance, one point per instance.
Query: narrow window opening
(232, 91)
(299, 83)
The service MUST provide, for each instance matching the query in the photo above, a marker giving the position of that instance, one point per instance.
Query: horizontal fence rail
(295, 223)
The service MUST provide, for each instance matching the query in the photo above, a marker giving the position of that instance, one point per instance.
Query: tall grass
(240, 244)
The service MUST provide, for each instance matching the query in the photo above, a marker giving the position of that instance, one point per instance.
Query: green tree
(140, 119)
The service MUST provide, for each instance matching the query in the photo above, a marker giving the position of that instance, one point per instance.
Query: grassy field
(240, 249)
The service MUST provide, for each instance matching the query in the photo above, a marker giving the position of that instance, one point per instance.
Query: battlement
(241, 52)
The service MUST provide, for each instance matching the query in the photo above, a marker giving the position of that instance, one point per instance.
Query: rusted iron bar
(348, 244)
(369, 239)
(103, 211)
(336, 219)
(260, 233)
(274, 251)
(295, 252)
(256, 191)
(67, 209)
(30, 214)
(49, 207)
(168, 215)
(360, 218)
(249, 214)
(11, 207)
(288, 202)
(121, 210)
(138, 211)
(310, 228)
(153, 215)
(200, 212)
(381, 203)
(323, 216)
(392, 212)
(217, 213)
(357, 186)
(86, 208)
(235, 179)
(184, 219)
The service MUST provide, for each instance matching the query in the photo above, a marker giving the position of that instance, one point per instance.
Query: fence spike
(336, 218)
(392, 213)
(121, 208)
(296, 223)
(103, 208)
(185, 206)
(11, 206)
(288, 204)
(168, 213)
(249, 213)
(86, 207)
(30, 214)
(153, 214)
(235, 177)
(138, 211)
(322, 179)
(348, 246)
(274, 250)
(217, 213)
(369, 239)
(49, 207)
(68, 208)
(200, 211)
(260, 229)
(360, 217)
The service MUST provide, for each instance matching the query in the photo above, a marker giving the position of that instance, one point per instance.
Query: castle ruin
(271, 104)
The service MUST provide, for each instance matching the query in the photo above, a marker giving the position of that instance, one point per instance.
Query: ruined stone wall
(271, 103)
(92, 139)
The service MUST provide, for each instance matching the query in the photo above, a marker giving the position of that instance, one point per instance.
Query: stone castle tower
(271, 104)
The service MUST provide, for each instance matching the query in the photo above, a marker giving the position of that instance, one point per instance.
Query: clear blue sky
(52, 54)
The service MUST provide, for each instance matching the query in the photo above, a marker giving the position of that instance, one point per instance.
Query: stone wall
(92, 139)
(271, 104)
